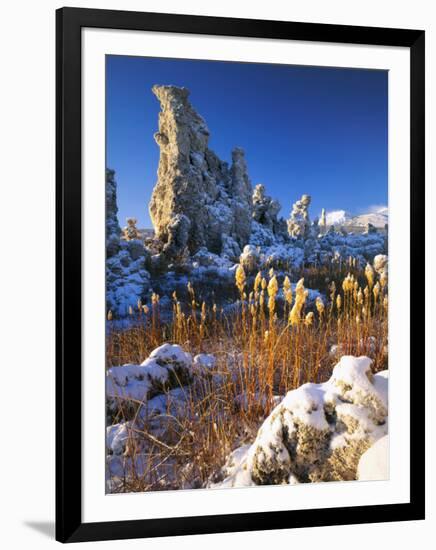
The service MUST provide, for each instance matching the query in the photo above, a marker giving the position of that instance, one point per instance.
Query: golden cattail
(287, 290)
(257, 281)
(300, 298)
(338, 302)
(376, 290)
(273, 287)
(130, 310)
(240, 278)
(347, 283)
(286, 283)
(294, 315)
(319, 306)
(369, 274)
(145, 309)
(308, 321)
(264, 283)
(109, 315)
(139, 304)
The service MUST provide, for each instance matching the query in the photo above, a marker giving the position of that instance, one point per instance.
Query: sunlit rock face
(299, 222)
(198, 201)
(130, 231)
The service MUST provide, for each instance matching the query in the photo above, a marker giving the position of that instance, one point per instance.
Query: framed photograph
(240, 241)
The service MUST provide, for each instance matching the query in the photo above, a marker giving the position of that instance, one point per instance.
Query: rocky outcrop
(370, 228)
(198, 201)
(113, 230)
(131, 232)
(266, 209)
(323, 221)
(127, 278)
(299, 222)
(250, 259)
(318, 432)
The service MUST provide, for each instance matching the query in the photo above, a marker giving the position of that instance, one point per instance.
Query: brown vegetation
(264, 348)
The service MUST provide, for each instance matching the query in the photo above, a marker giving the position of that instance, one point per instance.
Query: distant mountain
(338, 217)
(378, 218)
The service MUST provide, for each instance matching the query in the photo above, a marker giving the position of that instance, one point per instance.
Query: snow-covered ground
(318, 432)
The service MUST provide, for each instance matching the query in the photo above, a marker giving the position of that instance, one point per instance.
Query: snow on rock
(374, 463)
(204, 363)
(299, 223)
(236, 472)
(168, 366)
(152, 395)
(117, 436)
(381, 264)
(318, 432)
(265, 211)
(250, 258)
(127, 279)
(155, 415)
(282, 256)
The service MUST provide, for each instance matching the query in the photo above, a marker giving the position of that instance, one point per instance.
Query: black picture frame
(69, 22)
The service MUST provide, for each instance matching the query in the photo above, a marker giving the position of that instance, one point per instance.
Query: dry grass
(265, 348)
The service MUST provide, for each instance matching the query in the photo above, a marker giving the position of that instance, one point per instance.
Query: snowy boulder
(374, 463)
(381, 263)
(318, 432)
(204, 363)
(250, 259)
(167, 367)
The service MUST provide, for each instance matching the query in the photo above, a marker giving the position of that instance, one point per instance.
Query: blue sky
(315, 130)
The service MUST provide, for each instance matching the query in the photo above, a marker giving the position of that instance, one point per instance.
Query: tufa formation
(198, 201)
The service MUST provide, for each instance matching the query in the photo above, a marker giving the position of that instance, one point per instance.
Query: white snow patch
(374, 463)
